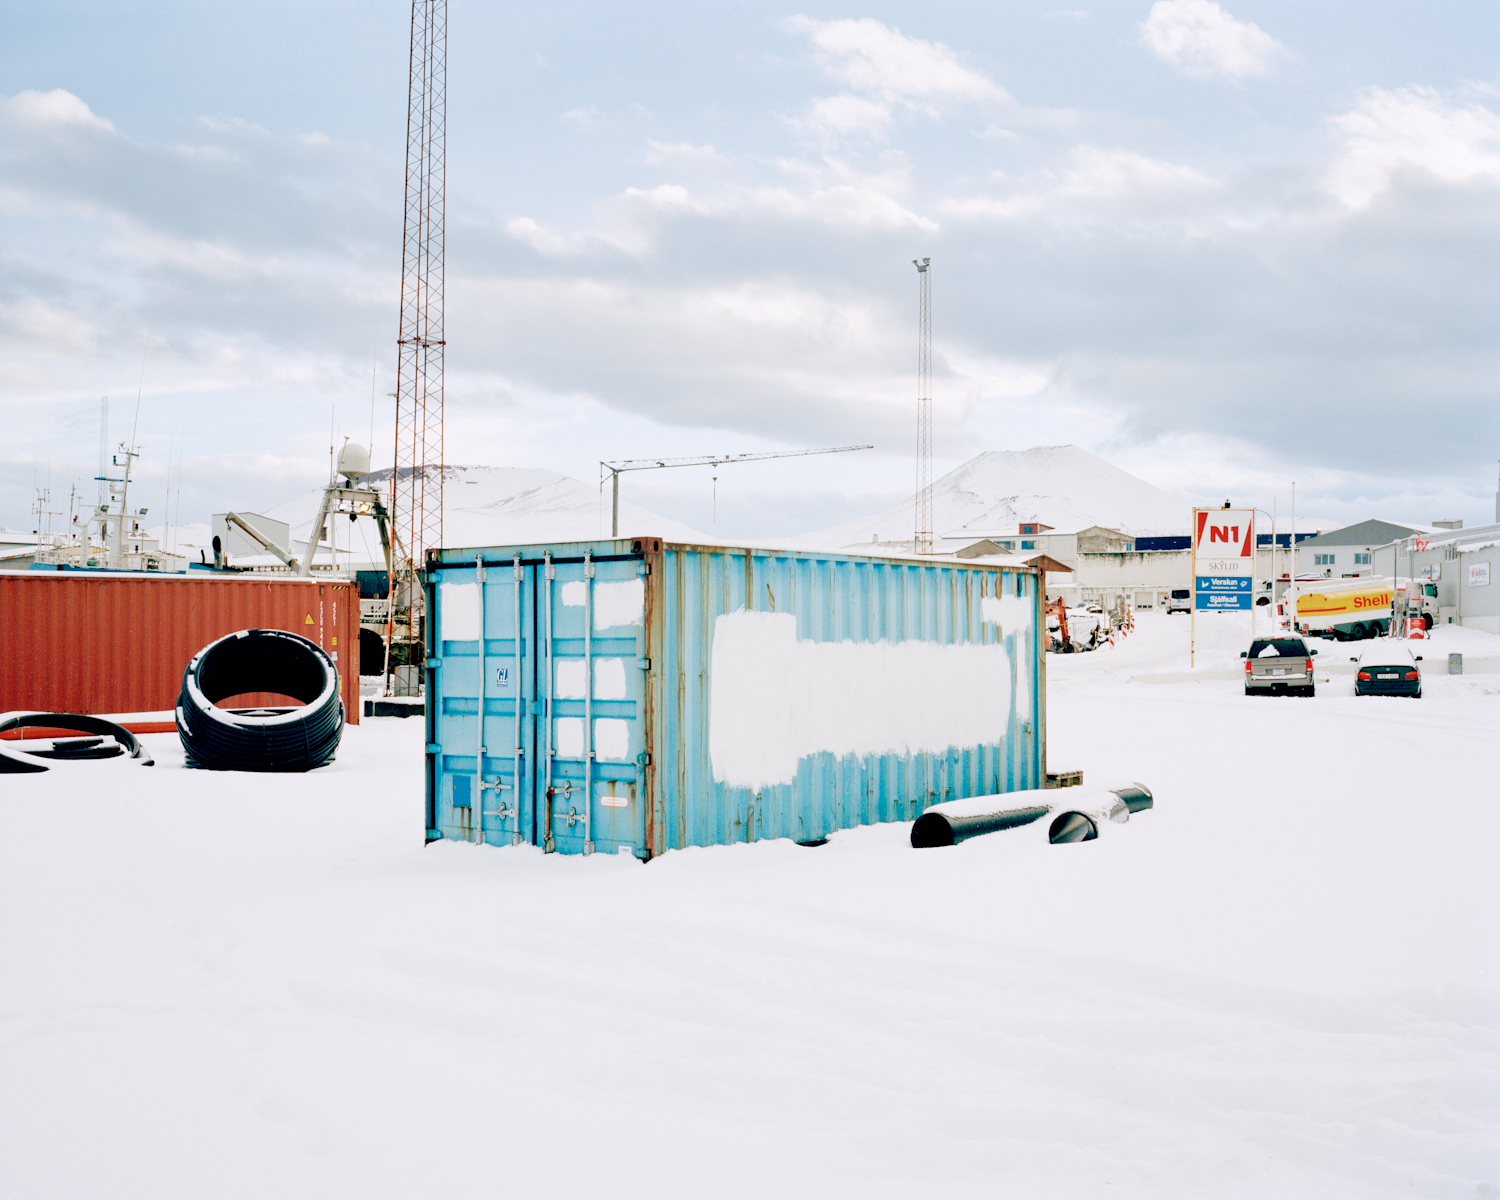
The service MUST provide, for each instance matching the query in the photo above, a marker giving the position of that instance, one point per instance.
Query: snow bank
(1279, 982)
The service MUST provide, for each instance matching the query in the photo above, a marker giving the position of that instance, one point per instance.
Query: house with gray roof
(1352, 550)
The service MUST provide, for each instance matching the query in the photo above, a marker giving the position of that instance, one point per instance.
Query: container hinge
(433, 662)
(645, 568)
(434, 748)
(643, 759)
(644, 664)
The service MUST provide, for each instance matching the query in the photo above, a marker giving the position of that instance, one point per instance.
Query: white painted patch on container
(459, 611)
(621, 602)
(773, 700)
(609, 678)
(611, 738)
(1011, 613)
(567, 737)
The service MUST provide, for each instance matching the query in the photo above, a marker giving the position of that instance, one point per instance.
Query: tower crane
(620, 466)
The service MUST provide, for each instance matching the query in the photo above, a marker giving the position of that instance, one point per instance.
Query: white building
(1353, 550)
(1464, 564)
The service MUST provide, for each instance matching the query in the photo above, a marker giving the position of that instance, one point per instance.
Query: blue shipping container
(640, 695)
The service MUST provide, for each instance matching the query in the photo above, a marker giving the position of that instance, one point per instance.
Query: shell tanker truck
(1350, 609)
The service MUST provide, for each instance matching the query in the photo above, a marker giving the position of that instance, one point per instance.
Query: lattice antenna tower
(923, 539)
(417, 481)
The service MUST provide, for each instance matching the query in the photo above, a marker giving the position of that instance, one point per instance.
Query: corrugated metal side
(86, 643)
(834, 598)
(654, 785)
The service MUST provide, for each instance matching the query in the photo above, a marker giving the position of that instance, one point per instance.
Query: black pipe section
(940, 829)
(260, 739)
(1072, 827)
(17, 760)
(935, 828)
(1137, 796)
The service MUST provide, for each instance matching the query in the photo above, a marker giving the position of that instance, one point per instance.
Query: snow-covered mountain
(493, 506)
(1062, 486)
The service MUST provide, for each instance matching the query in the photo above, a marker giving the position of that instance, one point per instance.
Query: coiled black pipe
(260, 739)
(17, 760)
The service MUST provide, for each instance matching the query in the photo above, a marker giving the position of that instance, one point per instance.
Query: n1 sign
(1223, 558)
(1223, 541)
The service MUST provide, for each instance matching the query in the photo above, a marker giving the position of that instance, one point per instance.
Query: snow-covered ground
(1279, 982)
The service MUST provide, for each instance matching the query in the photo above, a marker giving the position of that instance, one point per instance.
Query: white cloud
(667, 198)
(846, 113)
(874, 58)
(1413, 128)
(844, 206)
(1106, 174)
(1202, 40)
(543, 241)
(884, 68)
(1007, 208)
(57, 109)
(682, 154)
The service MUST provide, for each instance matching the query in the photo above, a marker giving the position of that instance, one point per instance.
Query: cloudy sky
(1223, 247)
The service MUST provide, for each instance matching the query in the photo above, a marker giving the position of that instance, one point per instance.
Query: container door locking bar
(479, 755)
(550, 572)
(588, 706)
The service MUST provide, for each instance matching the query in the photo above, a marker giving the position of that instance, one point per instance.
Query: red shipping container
(105, 644)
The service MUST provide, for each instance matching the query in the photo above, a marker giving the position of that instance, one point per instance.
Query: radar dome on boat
(354, 461)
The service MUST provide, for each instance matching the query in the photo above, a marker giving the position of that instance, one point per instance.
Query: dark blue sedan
(1388, 668)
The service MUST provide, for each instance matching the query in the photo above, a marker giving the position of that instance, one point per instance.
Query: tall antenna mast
(923, 540)
(103, 450)
(417, 481)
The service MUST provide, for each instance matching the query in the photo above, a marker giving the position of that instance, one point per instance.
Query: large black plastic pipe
(1137, 796)
(1069, 823)
(940, 829)
(260, 660)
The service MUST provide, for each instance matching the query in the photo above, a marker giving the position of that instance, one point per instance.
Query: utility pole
(417, 480)
(922, 542)
(619, 466)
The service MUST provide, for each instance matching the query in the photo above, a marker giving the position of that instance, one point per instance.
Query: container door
(482, 696)
(591, 680)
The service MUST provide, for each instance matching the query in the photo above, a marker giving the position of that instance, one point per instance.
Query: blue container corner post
(638, 695)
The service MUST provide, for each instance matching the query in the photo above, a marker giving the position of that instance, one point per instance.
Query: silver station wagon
(1282, 664)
